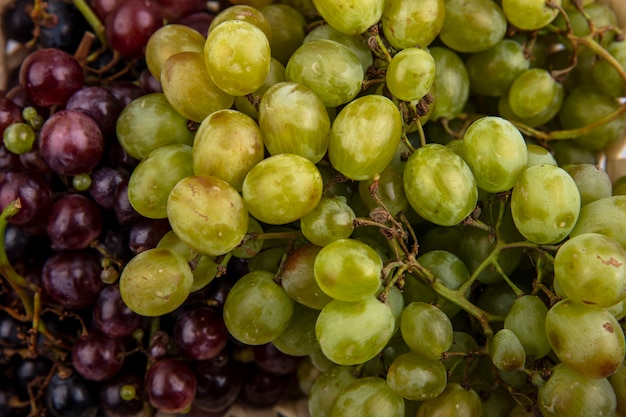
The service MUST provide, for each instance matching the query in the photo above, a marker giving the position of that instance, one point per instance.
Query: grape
(207, 214)
(155, 282)
(451, 84)
(298, 277)
(298, 339)
(326, 388)
(237, 57)
(111, 316)
(618, 382)
(99, 104)
(354, 42)
(454, 400)
(368, 397)
(530, 15)
(74, 223)
(439, 185)
(171, 385)
(351, 333)
(69, 397)
(169, 40)
(288, 26)
(350, 17)
(410, 74)
(545, 115)
(416, 378)
(592, 181)
(200, 333)
(526, 319)
(538, 155)
(130, 24)
(218, 382)
(407, 24)
(390, 189)
(364, 137)
(507, 352)
(605, 76)
(261, 389)
(527, 102)
(472, 26)
(18, 138)
(257, 310)
(426, 329)
(275, 76)
(9, 113)
(110, 397)
(282, 188)
(603, 216)
(545, 204)
(245, 13)
(34, 193)
(348, 270)
(587, 339)
(332, 219)
(97, 357)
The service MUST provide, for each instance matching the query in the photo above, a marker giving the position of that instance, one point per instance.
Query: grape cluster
(383, 207)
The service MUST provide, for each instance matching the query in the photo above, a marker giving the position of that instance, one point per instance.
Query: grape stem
(92, 19)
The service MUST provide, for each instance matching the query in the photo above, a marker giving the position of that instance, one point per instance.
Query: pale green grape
(287, 26)
(250, 247)
(412, 23)
(410, 74)
(155, 282)
(592, 181)
(416, 378)
(472, 25)
(332, 219)
(298, 278)
(587, 339)
(368, 397)
(257, 310)
(282, 188)
(499, 403)
(18, 138)
(426, 329)
(228, 144)
(532, 92)
(546, 114)
(452, 84)
(268, 260)
(390, 190)
(606, 216)
(507, 352)
(354, 42)
(530, 14)
(237, 57)
(619, 186)
(605, 76)
(453, 401)
(351, 333)
(326, 389)
(618, 382)
(169, 40)
(538, 155)
(207, 214)
(348, 270)
(526, 318)
(276, 75)
(298, 338)
(351, 17)
(246, 13)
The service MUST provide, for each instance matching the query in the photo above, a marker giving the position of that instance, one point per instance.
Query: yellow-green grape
(298, 277)
(606, 76)
(452, 85)
(351, 333)
(327, 387)
(416, 378)
(618, 382)
(81, 182)
(461, 342)
(257, 310)
(287, 30)
(602, 16)
(237, 56)
(228, 144)
(412, 23)
(496, 153)
(453, 401)
(439, 185)
(592, 181)
(169, 40)
(332, 219)
(189, 88)
(532, 92)
(530, 14)
(472, 25)
(250, 247)
(619, 186)
(18, 138)
(330, 69)
(351, 17)
(507, 352)
(606, 216)
(538, 155)
(276, 75)
(546, 115)
(410, 74)
(290, 110)
(356, 43)
(390, 190)
(526, 318)
(570, 394)
(253, 3)
(282, 188)
(245, 13)
(155, 282)
(364, 395)
(426, 329)
(364, 137)
(207, 214)
(545, 204)
(298, 338)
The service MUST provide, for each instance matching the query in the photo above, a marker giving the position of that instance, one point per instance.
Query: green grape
(364, 137)
(18, 138)
(169, 40)
(348, 270)
(569, 394)
(250, 247)
(416, 378)
(453, 401)
(410, 74)
(189, 88)
(287, 30)
(408, 24)
(390, 190)
(368, 397)
(497, 299)
(426, 329)
(207, 214)
(602, 16)
(253, 3)
(227, 145)
(237, 57)
(298, 338)
(155, 282)
(298, 278)
(521, 410)
(590, 269)
(332, 219)
(268, 260)
(257, 310)
(155, 176)
(586, 105)
(507, 352)
(457, 370)
(330, 69)
(491, 72)
(472, 26)
(587, 339)
(326, 389)
(496, 153)
(538, 155)
(530, 14)
(499, 403)
(545, 204)
(354, 42)
(150, 122)
(605, 76)
(245, 13)
(395, 300)
(618, 382)
(305, 7)
(545, 116)
(619, 186)
(446, 238)
(276, 75)
(452, 84)
(532, 92)
(439, 185)
(290, 110)
(351, 17)
(351, 333)
(81, 182)
(569, 152)
(592, 181)
(526, 318)
(606, 216)
(282, 188)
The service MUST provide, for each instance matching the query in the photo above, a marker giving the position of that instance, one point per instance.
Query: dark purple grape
(112, 316)
(124, 211)
(34, 194)
(104, 183)
(8, 160)
(270, 359)
(9, 330)
(18, 96)
(66, 29)
(197, 411)
(260, 388)
(148, 83)
(159, 345)
(200, 333)
(199, 21)
(125, 91)
(70, 397)
(17, 23)
(7, 393)
(110, 401)
(174, 10)
(120, 159)
(31, 368)
(74, 222)
(218, 384)
(71, 142)
(146, 233)
(50, 76)
(171, 385)
(102, 8)
(99, 104)
(130, 25)
(33, 162)
(9, 114)
(72, 278)
(114, 243)
(97, 357)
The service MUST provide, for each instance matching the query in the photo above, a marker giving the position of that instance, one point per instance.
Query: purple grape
(130, 25)
(218, 384)
(31, 368)
(97, 357)
(70, 397)
(200, 333)
(74, 222)
(112, 316)
(171, 385)
(110, 401)
(262, 389)
(9, 114)
(124, 211)
(146, 233)
(34, 194)
(125, 92)
(99, 104)
(270, 359)
(104, 183)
